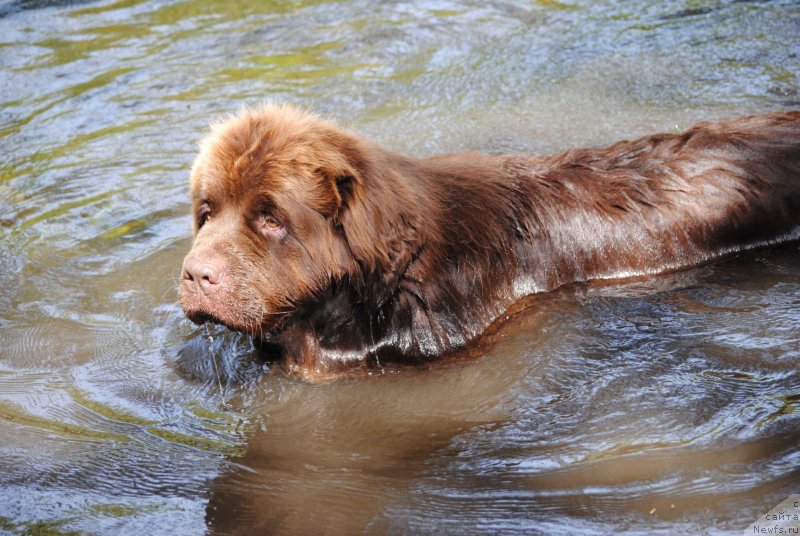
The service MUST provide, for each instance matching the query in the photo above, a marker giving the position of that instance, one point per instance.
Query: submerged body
(343, 255)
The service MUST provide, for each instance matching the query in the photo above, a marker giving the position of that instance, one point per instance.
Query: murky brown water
(668, 405)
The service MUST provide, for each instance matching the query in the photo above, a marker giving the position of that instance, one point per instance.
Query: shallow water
(662, 405)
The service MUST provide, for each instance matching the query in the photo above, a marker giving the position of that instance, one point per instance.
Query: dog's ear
(378, 217)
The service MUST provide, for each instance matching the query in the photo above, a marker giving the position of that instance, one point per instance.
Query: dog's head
(285, 204)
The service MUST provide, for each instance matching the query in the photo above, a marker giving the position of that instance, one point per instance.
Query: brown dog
(341, 254)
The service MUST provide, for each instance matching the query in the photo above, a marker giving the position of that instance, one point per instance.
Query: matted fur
(342, 254)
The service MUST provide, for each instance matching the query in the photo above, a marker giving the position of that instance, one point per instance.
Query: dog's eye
(203, 215)
(202, 219)
(270, 225)
(270, 222)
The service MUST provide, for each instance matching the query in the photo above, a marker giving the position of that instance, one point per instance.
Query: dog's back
(670, 200)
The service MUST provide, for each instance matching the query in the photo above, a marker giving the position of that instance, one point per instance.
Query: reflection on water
(662, 405)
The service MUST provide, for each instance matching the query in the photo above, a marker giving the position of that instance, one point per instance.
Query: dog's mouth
(249, 316)
(203, 317)
(259, 329)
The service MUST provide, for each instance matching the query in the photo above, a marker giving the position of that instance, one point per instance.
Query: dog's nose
(202, 274)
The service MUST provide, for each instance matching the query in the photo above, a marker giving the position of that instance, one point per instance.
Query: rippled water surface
(666, 405)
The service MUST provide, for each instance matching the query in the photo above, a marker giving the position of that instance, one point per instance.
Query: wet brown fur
(383, 257)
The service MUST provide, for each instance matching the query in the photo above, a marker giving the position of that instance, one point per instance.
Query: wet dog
(342, 255)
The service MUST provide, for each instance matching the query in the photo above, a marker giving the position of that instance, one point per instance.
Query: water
(665, 405)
